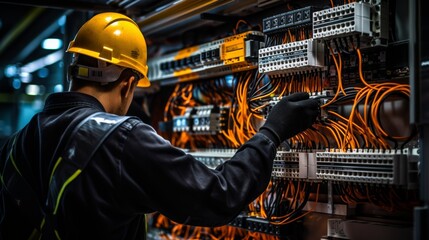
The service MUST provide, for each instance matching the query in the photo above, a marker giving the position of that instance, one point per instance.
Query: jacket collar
(67, 100)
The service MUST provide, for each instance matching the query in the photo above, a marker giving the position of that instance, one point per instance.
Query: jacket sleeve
(163, 178)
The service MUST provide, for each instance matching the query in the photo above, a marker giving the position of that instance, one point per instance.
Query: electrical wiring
(266, 95)
(162, 222)
(180, 231)
(360, 68)
(323, 139)
(294, 192)
(309, 211)
(297, 142)
(359, 96)
(372, 96)
(277, 198)
(218, 233)
(260, 85)
(339, 131)
(240, 126)
(349, 136)
(176, 231)
(164, 236)
(385, 198)
(180, 99)
(169, 101)
(348, 196)
(301, 195)
(315, 139)
(204, 93)
(323, 127)
(375, 201)
(241, 21)
(338, 66)
(375, 109)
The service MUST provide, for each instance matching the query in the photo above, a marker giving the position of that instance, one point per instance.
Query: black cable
(379, 117)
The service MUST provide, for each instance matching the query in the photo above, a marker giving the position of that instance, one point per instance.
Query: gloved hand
(290, 116)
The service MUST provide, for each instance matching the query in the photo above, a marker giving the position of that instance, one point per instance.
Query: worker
(132, 171)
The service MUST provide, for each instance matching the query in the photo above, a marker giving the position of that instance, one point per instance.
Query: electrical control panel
(361, 157)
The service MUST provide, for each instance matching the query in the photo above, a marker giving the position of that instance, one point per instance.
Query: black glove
(290, 116)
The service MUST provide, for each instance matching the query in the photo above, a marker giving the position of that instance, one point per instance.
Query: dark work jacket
(134, 172)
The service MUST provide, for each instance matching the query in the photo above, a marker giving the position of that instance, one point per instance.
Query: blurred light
(62, 20)
(34, 90)
(16, 83)
(229, 80)
(43, 62)
(58, 88)
(43, 73)
(25, 77)
(10, 71)
(52, 43)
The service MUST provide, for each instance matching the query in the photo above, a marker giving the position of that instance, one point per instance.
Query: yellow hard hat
(114, 38)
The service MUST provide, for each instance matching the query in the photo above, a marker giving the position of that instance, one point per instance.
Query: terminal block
(343, 20)
(262, 225)
(213, 157)
(290, 165)
(366, 22)
(183, 123)
(387, 167)
(358, 166)
(209, 119)
(202, 120)
(217, 58)
(290, 58)
(382, 167)
(292, 19)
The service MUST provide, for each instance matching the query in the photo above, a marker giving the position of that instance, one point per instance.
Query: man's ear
(127, 86)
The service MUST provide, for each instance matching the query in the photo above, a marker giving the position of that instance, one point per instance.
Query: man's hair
(103, 87)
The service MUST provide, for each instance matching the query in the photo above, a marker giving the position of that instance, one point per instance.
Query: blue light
(62, 20)
(52, 43)
(43, 72)
(10, 71)
(16, 83)
(58, 88)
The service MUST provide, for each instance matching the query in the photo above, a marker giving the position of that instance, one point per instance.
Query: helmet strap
(103, 74)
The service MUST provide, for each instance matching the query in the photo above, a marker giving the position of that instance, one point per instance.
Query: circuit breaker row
(220, 57)
(207, 119)
(384, 167)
